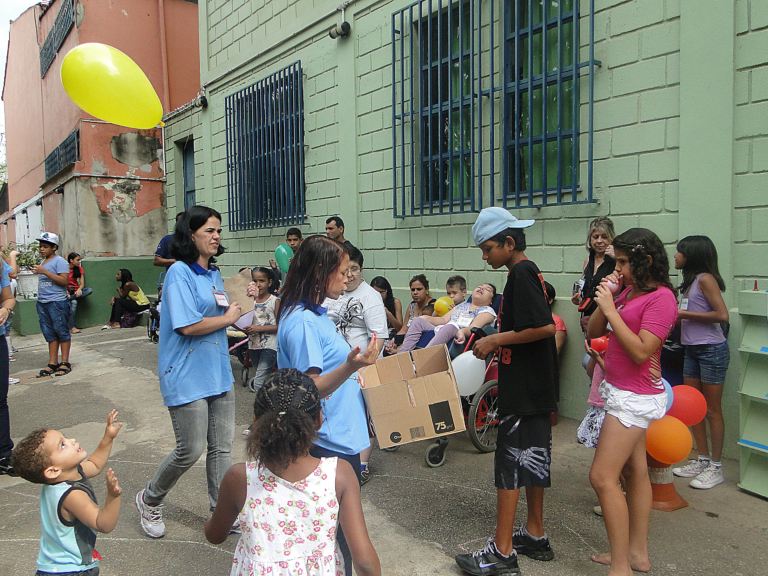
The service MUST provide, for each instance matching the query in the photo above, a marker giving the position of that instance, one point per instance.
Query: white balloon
(470, 373)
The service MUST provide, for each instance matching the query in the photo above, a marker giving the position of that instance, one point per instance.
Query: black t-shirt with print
(528, 373)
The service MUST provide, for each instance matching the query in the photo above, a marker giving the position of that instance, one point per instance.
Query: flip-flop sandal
(63, 371)
(48, 371)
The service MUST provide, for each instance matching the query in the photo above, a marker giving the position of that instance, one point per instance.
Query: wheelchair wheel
(435, 455)
(245, 375)
(391, 449)
(483, 418)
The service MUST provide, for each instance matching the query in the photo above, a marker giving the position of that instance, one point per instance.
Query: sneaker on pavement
(692, 469)
(7, 468)
(236, 528)
(710, 478)
(11, 358)
(14, 380)
(536, 548)
(151, 517)
(488, 561)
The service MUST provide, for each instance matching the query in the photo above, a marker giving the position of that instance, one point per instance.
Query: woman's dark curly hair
(286, 409)
(183, 245)
(312, 266)
(637, 244)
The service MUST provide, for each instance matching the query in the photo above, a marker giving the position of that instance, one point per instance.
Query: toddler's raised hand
(113, 427)
(113, 487)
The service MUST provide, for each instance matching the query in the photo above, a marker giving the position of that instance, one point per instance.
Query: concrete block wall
(637, 135)
(750, 214)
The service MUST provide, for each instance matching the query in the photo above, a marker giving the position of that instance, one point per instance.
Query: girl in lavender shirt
(702, 310)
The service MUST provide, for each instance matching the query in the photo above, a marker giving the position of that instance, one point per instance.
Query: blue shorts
(707, 362)
(54, 320)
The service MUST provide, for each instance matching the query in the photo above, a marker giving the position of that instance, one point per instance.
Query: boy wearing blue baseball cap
(527, 396)
(53, 305)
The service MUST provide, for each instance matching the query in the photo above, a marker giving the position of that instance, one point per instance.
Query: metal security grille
(65, 154)
(470, 112)
(64, 21)
(265, 152)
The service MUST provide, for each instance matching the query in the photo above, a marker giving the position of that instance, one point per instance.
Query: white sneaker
(14, 380)
(710, 478)
(692, 469)
(151, 517)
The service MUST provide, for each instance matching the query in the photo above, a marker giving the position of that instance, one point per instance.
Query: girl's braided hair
(638, 244)
(286, 409)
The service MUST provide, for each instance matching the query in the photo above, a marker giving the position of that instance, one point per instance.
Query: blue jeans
(208, 422)
(263, 360)
(54, 320)
(6, 444)
(73, 305)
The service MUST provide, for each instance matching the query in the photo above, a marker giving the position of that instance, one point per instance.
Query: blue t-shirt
(308, 340)
(64, 546)
(164, 248)
(47, 289)
(5, 280)
(192, 367)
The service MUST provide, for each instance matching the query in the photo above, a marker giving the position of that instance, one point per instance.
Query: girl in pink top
(638, 323)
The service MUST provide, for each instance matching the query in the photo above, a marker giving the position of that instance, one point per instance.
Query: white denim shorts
(633, 409)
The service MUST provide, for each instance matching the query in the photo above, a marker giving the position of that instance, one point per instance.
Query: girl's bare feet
(75, 331)
(637, 564)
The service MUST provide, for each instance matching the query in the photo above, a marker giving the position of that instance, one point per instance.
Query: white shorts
(633, 409)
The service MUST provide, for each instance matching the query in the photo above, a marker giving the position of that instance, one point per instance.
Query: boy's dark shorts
(54, 320)
(523, 452)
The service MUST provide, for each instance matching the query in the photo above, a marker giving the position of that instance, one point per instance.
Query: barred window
(188, 166)
(486, 105)
(541, 102)
(61, 27)
(65, 154)
(265, 152)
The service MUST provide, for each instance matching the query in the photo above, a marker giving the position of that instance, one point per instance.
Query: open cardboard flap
(236, 288)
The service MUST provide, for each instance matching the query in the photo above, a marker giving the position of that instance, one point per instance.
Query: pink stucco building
(98, 185)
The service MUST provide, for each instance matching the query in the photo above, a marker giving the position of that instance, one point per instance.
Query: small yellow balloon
(443, 305)
(109, 85)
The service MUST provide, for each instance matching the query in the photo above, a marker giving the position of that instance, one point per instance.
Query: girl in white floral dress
(288, 503)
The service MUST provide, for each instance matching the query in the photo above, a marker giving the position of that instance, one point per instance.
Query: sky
(9, 10)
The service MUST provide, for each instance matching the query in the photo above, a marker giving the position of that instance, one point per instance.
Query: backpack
(128, 320)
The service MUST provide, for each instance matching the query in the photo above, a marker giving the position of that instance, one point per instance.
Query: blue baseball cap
(493, 220)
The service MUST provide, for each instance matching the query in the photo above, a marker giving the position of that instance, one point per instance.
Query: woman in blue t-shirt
(193, 364)
(308, 341)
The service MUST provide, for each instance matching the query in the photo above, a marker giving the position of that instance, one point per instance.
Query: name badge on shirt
(221, 299)
(464, 321)
(684, 304)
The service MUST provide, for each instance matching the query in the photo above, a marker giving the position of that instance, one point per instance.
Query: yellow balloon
(443, 305)
(109, 85)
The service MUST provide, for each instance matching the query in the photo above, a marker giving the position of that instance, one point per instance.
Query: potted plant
(28, 256)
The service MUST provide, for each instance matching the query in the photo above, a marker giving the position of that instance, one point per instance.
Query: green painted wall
(680, 143)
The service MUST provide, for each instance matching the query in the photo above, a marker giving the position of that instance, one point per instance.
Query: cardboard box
(413, 396)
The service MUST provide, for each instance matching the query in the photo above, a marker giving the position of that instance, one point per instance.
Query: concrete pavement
(418, 517)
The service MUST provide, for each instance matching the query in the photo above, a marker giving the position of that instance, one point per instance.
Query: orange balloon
(599, 344)
(689, 405)
(668, 440)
